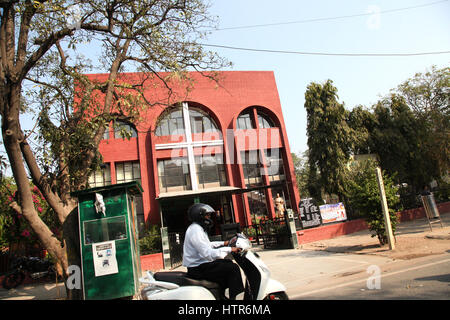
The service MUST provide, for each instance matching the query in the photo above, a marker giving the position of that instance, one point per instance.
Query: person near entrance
(205, 259)
(279, 206)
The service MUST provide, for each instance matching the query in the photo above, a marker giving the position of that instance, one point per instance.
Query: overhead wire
(327, 53)
(328, 18)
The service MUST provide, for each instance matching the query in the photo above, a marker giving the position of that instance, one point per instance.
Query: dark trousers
(224, 272)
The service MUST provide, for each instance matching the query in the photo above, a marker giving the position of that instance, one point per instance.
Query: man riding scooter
(205, 259)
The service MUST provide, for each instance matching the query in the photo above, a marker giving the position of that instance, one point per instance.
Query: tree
(329, 137)
(398, 140)
(401, 138)
(428, 95)
(362, 122)
(301, 173)
(364, 197)
(42, 70)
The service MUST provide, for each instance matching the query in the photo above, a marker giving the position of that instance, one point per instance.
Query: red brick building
(223, 143)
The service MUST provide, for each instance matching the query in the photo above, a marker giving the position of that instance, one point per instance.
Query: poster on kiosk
(105, 261)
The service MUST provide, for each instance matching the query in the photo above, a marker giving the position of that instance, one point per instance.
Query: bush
(151, 241)
(364, 197)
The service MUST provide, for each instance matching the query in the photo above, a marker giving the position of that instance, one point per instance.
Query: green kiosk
(109, 241)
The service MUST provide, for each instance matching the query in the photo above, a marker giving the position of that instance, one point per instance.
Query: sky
(328, 26)
(359, 80)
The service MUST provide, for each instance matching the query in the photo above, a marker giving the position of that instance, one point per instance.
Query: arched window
(264, 121)
(244, 121)
(197, 171)
(172, 123)
(201, 121)
(124, 130)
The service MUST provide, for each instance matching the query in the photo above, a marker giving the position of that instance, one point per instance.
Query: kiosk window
(105, 230)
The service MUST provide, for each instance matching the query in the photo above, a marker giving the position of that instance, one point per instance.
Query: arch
(201, 120)
(268, 115)
(265, 118)
(264, 121)
(171, 120)
(123, 129)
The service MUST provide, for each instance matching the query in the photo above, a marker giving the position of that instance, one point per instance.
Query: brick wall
(154, 262)
(339, 229)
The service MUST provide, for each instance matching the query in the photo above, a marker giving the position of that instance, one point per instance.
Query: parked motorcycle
(37, 269)
(175, 285)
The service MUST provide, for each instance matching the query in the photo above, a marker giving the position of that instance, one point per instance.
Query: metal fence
(272, 233)
(176, 240)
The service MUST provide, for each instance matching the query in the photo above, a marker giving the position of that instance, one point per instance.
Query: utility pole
(387, 219)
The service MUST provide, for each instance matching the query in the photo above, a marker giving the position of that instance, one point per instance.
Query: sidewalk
(413, 239)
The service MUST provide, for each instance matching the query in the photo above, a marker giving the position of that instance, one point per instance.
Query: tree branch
(44, 47)
(27, 15)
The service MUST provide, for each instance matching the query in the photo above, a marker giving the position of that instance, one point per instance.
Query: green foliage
(13, 226)
(363, 123)
(301, 169)
(409, 129)
(364, 196)
(329, 138)
(428, 96)
(151, 241)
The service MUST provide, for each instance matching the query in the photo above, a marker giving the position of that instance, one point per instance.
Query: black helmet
(197, 213)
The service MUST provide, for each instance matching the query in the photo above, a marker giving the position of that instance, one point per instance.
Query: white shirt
(197, 248)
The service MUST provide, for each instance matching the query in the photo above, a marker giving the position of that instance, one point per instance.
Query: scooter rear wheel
(277, 296)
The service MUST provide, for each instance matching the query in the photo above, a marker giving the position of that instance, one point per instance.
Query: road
(331, 276)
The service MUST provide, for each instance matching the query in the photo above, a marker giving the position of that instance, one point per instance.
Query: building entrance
(175, 220)
(174, 211)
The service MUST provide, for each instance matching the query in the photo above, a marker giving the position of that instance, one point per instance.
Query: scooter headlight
(264, 268)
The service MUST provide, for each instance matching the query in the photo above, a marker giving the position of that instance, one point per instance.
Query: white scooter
(175, 285)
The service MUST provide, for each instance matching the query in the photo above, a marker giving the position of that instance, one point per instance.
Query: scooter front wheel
(277, 296)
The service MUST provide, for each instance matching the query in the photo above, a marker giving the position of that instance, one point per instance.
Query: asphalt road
(426, 278)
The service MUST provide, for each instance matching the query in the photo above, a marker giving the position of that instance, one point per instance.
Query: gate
(176, 240)
(272, 233)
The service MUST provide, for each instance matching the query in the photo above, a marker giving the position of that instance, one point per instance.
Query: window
(174, 175)
(124, 130)
(201, 121)
(106, 134)
(244, 121)
(274, 165)
(190, 173)
(101, 177)
(264, 121)
(172, 123)
(106, 229)
(128, 171)
(210, 171)
(251, 166)
(257, 204)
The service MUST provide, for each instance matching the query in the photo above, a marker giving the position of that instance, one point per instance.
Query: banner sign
(333, 212)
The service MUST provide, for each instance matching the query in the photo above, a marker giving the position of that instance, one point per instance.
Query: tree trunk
(12, 138)
(72, 246)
